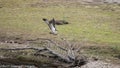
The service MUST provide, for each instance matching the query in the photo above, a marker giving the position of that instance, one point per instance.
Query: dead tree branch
(68, 55)
(23, 48)
(51, 41)
(62, 57)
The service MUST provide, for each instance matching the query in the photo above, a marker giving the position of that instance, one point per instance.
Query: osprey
(51, 25)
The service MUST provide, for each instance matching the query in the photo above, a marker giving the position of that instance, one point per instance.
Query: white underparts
(52, 28)
(47, 22)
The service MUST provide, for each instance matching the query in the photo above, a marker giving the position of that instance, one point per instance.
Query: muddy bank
(14, 63)
(100, 64)
(11, 63)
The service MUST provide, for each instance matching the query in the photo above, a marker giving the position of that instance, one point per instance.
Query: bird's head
(44, 19)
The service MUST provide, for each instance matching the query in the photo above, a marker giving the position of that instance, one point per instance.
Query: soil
(100, 64)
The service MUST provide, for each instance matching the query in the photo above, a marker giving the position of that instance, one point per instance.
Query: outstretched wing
(53, 23)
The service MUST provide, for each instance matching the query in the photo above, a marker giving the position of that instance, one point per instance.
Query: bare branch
(66, 56)
(49, 41)
(22, 48)
(41, 49)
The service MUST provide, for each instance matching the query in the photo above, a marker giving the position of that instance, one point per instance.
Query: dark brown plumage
(58, 22)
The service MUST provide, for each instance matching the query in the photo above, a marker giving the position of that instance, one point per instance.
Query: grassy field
(88, 23)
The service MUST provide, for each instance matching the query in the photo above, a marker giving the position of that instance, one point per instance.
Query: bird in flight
(51, 25)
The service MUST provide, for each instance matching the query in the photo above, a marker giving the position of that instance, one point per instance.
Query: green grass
(104, 52)
(86, 24)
